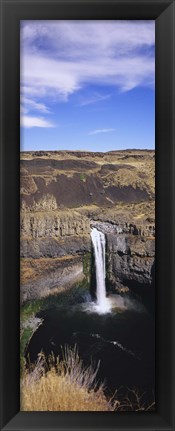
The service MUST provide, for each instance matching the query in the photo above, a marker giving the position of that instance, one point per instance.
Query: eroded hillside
(64, 192)
(75, 179)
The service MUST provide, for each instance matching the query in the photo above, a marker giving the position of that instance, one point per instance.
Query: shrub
(62, 385)
(66, 385)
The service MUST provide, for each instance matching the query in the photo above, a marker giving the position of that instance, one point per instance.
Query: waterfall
(98, 241)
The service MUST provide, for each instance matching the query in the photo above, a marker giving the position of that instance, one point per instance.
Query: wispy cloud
(59, 58)
(28, 106)
(95, 132)
(94, 98)
(28, 121)
(31, 104)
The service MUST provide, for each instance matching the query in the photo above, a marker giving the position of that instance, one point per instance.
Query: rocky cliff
(130, 254)
(53, 234)
(63, 194)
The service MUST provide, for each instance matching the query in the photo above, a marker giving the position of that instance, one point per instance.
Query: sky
(87, 85)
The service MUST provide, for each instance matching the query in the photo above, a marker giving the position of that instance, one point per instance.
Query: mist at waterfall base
(117, 331)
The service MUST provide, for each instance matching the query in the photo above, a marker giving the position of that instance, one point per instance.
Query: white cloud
(32, 105)
(52, 78)
(82, 38)
(58, 58)
(28, 121)
(95, 132)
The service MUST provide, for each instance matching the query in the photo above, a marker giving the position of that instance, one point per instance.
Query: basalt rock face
(56, 244)
(52, 247)
(130, 255)
(63, 195)
(51, 234)
(53, 225)
(130, 261)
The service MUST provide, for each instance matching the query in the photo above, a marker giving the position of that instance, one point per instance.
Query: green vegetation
(83, 177)
(27, 312)
(29, 309)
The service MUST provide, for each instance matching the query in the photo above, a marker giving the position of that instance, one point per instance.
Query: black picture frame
(163, 11)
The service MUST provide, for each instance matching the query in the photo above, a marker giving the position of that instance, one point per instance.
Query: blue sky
(87, 85)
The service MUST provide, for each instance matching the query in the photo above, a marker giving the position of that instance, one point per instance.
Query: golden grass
(66, 386)
(56, 393)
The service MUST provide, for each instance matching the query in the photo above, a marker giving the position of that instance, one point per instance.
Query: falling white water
(98, 241)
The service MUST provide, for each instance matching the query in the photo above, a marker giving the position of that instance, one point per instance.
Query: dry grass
(63, 386)
(85, 155)
(142, 162)
(66, 385)
(131, 213)
(134, 401)
(32, 269)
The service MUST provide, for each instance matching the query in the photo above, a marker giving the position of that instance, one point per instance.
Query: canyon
(64, 194)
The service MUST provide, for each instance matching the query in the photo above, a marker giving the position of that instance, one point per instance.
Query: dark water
(122, 341)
